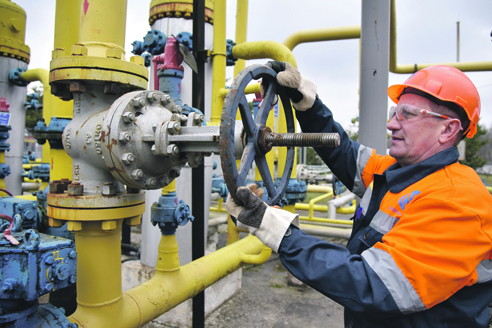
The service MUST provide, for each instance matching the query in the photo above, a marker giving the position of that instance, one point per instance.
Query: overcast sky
(426, 31)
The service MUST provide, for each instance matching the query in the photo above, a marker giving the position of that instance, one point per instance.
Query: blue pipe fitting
(296, 192)
(4, 171)
(27, 210)
(41, 172)
(38, 265)
(138, 48)
(231, 61)
(52, 133)
(33, 102)
(154, 43)
(169, 212)
(15, 77)
(169, 82)
(186, 39)
(219, 186)
(147, 58)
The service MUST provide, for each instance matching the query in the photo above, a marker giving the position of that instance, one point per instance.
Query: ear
(449, 130)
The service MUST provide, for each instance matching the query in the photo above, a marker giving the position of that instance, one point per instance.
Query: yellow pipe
(315, 200)
(323, 34)
(219, 59)
(264, 49)
(170, 285)
(169, 188)
(2, 181)
(323, 189)
(412, 68)
(97, 27)
(324, 220)
(317, 208)
(241, 31)
(489, 189)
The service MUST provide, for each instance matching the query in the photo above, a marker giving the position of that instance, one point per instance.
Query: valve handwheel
(254, 133)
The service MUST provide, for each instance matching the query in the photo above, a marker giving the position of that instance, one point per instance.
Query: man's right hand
(300, 90)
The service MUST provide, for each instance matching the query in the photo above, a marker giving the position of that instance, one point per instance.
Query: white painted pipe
(337, 202)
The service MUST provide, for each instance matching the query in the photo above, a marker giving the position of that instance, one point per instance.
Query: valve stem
(330, 140)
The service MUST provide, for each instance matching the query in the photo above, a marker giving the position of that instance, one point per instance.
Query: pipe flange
(129, 131)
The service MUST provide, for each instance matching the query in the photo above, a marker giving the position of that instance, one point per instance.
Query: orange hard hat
(447, 84)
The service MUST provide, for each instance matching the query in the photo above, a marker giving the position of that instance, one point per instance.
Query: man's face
(415, 140)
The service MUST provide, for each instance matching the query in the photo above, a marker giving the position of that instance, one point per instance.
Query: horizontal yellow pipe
(26, 197)
(37, 74)
(252, 88)
(489, 189)
(264, 49)
(322, 34)
(316, 188)
(323, 220)
(317, 208)
(412, 68)
(170, 286)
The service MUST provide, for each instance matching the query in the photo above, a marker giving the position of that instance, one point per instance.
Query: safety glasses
(408, 113)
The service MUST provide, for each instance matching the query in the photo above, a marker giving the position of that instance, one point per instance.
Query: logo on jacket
(405, 200)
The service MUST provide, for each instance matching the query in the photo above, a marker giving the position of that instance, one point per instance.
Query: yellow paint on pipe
(325, 220)
(232, 232)
(98, 265)
(317, 208)
(67, 25)
(169, 188)
(61, 165)
(322, 34)
(323, 189)
(252, 88)
(412, 68)
(219, 59)
(264, 49)
(103, 26)
(167, 289)
(241, 31)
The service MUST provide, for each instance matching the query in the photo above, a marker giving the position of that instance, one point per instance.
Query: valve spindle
(330, 140)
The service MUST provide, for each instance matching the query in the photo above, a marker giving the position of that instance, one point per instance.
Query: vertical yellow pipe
(2, 181)
(67, 24)
(241, 31)
(169, 188)
(98, 264)
(219, 59)
(102, 21)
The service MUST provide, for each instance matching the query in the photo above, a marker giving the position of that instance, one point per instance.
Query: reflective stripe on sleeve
(363, 155)
(401, 289)
(484, 271)
(383, 222)
(366, 199)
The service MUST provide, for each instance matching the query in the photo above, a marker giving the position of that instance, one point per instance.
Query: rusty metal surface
(253, 150)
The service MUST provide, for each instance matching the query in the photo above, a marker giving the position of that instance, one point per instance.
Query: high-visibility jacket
(421, 246)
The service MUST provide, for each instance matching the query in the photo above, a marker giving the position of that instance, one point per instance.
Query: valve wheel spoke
(236, 99)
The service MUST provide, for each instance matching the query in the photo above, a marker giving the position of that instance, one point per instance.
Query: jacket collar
(399, 177)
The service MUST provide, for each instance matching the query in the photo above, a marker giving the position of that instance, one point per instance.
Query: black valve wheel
(254, 133)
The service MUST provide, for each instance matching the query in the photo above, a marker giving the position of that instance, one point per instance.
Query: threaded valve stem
(330, 140)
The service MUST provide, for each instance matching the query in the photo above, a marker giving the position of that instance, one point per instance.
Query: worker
(420, 251)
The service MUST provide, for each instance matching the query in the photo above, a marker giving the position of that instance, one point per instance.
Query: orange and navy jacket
(421, 246)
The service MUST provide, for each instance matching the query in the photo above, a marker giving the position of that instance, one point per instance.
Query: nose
(393, 124)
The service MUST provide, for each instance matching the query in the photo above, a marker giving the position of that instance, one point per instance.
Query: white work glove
(300, 90)
(267, 223)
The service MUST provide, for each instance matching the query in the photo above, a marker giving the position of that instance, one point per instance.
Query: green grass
(487, 178)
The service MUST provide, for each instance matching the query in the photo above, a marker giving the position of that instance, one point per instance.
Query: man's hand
(300, 90)
(252, 212)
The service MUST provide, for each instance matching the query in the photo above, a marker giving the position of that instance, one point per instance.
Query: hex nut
(127, 158)
(124, 137)
(198, 119)
(177, 109)
(77, 86)
(58, 52)
(139, 60)
(172, 149)
(137, 102)
(113, 53)
(137, 174)
(108, 189)
(75, 189)
(78, 50)
(151, 96)
(165, 99)
(173, 127)
(57, 187)
(154, 150)
(151, 182)
(128, 117)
